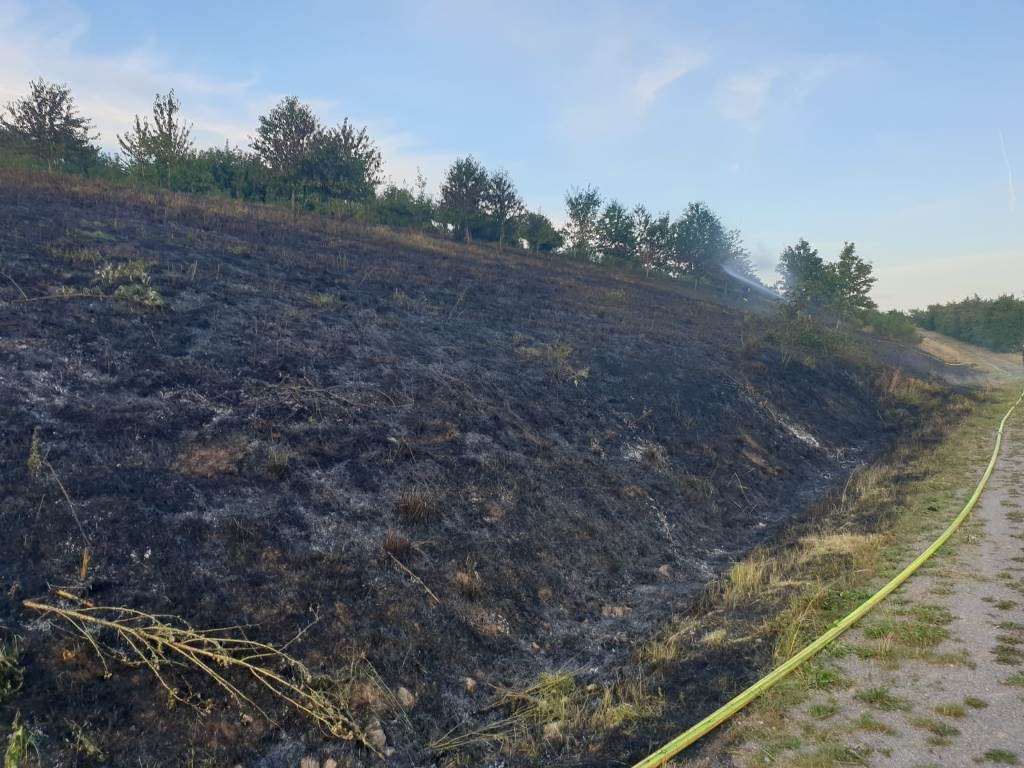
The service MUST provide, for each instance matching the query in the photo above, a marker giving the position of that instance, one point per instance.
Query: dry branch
(164, 643)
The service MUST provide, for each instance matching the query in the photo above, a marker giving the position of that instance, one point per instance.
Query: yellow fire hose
(719, 716)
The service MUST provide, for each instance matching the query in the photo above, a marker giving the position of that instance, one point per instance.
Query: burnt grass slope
(433, 462)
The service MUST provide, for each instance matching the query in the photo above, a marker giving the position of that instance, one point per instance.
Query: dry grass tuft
(12, 675)
(210, 460)
(468, 580)
(417, 506)
(34, 463)
(557, 707)
(397, 545)
(165, 644)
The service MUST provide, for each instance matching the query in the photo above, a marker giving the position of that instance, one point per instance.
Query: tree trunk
(293, 201)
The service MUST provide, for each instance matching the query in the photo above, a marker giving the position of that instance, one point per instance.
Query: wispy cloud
(651, 82)
(1009, 172)
(742, 97)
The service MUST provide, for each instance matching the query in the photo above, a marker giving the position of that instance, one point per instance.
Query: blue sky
(892, 124)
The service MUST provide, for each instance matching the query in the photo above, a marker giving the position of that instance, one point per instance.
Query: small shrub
(134, 271)
(143, 295)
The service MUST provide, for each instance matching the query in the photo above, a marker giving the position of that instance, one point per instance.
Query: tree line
(294, 159)
(997, 324)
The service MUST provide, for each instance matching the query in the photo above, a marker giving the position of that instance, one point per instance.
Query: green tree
(653, 238)
(400, 207)
(805, 282)
(162, 145)
(700, 242)
(502, 203)
(583, 207)
(285, 137)
(343, 163)
(462, 194)
(616, 237)
(853, 281)
(540, 234)
(48, 122)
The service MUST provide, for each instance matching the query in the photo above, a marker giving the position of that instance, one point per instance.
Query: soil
(450, 462)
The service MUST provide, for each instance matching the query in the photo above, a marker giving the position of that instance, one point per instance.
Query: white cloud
(742, 97)
(619, 87)
(651, 82)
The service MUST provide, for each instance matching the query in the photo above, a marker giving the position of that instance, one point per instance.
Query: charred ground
(443, 462)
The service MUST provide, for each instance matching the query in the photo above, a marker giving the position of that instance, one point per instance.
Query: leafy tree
(164, 144)
(540, 234)
(583, 207)
(502, 202)
(235, 173)
(701, 243)
(284, 139)
(48, 122)
(653, 238)
(997, 324)
(839, 288)
(344, 163)
(805, 282)
(462, 194)
(616, 238)
(400, 207)
(853, 281)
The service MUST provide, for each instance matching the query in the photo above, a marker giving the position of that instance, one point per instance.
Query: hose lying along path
(719, 716)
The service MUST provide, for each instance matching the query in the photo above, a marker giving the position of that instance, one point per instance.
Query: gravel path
(984, 579)
(934, 677)
(937, 673)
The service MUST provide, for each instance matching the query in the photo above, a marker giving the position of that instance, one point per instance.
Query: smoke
(1009, 172)
(752, 283)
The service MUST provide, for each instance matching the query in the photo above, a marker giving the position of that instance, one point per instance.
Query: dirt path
(935, 677)
(995, 367)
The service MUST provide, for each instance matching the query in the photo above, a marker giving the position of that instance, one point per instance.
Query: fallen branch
(161, 642)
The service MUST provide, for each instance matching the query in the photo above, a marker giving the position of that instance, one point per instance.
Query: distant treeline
(293, 159)
(997, 324)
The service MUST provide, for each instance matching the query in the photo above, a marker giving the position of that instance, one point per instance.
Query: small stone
(330, 762)
(469, 684)
(376, 737)
(553, 731)
(309, 762)
(665, 571)
(367, 695)
(405, 697)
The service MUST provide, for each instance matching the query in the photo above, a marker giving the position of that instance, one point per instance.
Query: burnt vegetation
(470, 470)
(367, 495)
